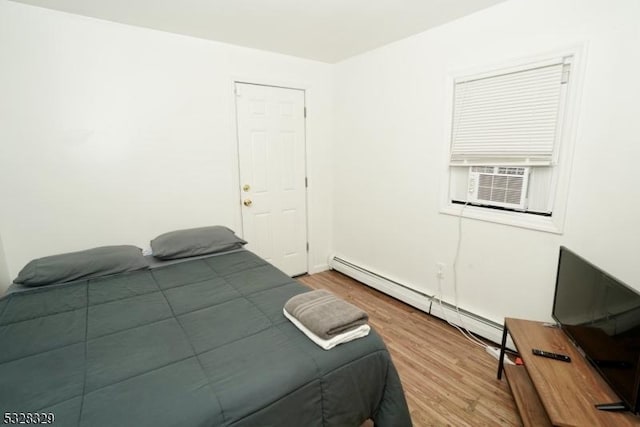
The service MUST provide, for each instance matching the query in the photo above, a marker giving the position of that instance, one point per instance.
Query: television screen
(602, 316)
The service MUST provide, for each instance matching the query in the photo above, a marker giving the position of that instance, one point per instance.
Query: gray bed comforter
(198, 343)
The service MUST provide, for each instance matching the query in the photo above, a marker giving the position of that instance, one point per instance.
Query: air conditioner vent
(499, 186)
(511, 171)
(485, 169)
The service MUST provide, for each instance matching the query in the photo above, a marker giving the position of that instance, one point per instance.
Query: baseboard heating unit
(479, 325)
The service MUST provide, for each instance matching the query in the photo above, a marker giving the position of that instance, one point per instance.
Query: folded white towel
(359, 332)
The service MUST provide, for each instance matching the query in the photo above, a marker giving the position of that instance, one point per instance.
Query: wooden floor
(448, 381)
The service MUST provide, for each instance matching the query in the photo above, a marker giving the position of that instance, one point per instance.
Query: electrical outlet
(440, 270)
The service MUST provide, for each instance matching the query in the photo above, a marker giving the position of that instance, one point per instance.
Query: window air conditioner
(500, 186)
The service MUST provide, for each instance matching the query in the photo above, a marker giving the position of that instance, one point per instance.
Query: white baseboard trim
(319, 268)
(395, 289)
(477, 324)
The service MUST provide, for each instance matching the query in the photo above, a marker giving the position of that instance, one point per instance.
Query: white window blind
(509, 117)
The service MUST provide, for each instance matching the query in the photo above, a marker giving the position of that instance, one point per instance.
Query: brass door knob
(246, 188)
(247, 202)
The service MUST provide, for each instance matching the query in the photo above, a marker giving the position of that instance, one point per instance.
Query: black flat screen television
(602, 317)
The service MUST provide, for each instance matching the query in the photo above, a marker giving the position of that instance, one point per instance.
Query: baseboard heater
(479, 325)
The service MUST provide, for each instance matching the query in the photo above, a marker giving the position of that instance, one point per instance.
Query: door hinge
(305, 112)
(307, 246)
(306, 182)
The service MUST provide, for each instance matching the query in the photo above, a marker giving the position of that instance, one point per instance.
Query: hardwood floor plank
(448, 380)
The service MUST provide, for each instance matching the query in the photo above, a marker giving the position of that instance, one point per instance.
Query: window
(509, 144)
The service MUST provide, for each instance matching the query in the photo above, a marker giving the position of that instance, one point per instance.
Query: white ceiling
(324, 30)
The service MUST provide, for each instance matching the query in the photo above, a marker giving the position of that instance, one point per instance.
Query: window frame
(559, 191)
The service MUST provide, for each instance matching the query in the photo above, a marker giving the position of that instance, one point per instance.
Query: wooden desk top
(568, 391)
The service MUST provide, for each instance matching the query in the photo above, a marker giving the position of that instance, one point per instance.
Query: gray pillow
(95, 262)
(195, 241)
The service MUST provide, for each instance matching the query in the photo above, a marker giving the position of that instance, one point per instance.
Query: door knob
(247, 202)
(246, 188)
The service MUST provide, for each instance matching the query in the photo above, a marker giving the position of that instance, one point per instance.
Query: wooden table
(549, 392)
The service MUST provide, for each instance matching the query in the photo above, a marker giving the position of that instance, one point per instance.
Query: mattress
(197, 343)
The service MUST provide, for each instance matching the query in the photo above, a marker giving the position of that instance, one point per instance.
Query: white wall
(5, 279)
(111, 134)
(390, 145)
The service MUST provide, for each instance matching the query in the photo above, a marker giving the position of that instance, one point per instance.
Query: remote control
(556, 356)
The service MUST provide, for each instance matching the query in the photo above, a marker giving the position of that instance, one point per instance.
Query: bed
(199, 342)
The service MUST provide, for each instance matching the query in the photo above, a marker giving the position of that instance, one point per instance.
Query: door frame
(236, 152)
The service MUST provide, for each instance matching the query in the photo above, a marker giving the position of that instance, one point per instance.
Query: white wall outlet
(440, 270)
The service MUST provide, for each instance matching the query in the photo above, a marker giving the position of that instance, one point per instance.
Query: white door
(271, 148)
